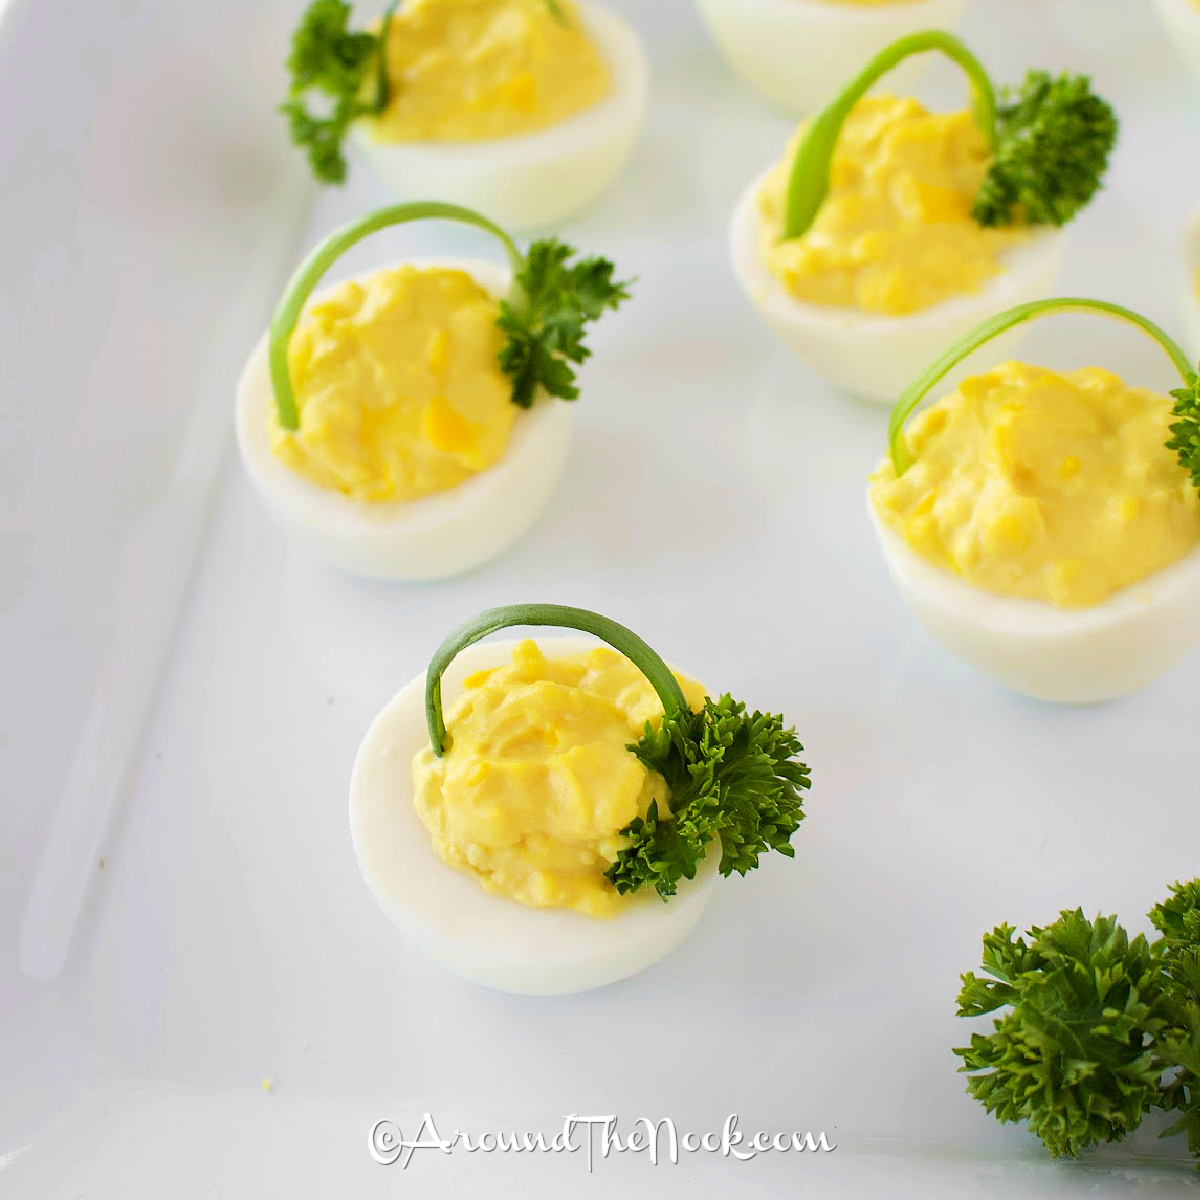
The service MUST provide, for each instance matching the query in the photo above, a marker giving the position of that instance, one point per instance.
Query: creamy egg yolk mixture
(1048, 486)
(471, 70)
(537, 783)
(895, 233)
(398, 386)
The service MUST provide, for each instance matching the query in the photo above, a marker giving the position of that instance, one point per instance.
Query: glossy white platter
(181, 916)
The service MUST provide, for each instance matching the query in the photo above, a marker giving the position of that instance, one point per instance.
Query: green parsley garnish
(329, 57)
(1185, 431)
(1050, 141)
(732, 775)
(1098, 1028)
(552, 297)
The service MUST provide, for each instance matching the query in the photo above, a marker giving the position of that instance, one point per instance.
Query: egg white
(1069, 656)
(873, 355)
(1191, 278)
(800, 53)
(1182, 19)
(434, 536)
(539, 179)
(447, 915)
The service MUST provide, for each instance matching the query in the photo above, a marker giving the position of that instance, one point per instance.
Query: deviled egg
(562, 825)
(525, 108)
(404, 425)
(1191, 284)
(887, 230)
(1182, 21)
(798, 53)
(1045, 526)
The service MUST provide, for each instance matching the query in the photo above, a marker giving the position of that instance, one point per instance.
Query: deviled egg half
(1182, 21)
(887, 231)
(1045, 526)
(1191, 284)
(525, 108)
(798, 53)
(562, 825)
(404, 425)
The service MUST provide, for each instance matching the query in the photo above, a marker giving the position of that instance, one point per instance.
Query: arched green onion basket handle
(300, 286)
(554, 615)
(808, 183)
(383, 83)
(993, 327)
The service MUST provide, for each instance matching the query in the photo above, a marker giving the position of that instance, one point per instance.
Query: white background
(714, 501)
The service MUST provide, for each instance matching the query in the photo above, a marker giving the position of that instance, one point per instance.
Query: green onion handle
(558, 616)
(993, 327)
(383, 83)
(808, 183)
(300, 287)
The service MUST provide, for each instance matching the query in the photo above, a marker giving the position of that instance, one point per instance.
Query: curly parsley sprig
(1185, 431)
(1098, 1028)
(329, 57)
(552, 297)
(731, 774)
(1050, 140)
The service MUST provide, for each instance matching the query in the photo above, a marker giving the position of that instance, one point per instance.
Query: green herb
(731, 774)
(329, 57)
(1050, 141)
(1053, 139)
(1178, 921)
(1185, 439)
(1099, 1028)
(550, 300)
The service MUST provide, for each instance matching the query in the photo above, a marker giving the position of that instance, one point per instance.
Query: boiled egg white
(1190, 283)
(532, 180)
(445, 914)
(872, 355)
(1066, 655)
(1182, 19)
(434, 536)
(800, 53)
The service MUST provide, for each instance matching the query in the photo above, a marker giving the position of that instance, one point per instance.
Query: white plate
(713, 502)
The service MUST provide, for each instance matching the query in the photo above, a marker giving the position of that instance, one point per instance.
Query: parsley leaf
(731, 774)
(1099, 1028)
(1185, 432)
(329, 57)
(1071, 1056)
(551, 301)
(1053, 139)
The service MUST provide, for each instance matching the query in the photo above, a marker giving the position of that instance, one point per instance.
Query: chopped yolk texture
(473, 70)
(537, 782)
(1047, 486)
(398, 386)
(895, 233)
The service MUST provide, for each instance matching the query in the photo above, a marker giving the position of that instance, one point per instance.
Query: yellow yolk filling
(472, 70)
(537, 783)
(1048, 486)
(895, 233)
(398, 386)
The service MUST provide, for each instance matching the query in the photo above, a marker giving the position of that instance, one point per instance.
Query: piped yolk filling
(474, 70)
(538, 783)
(398, 386)
(1046, 486)
(895, 233)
